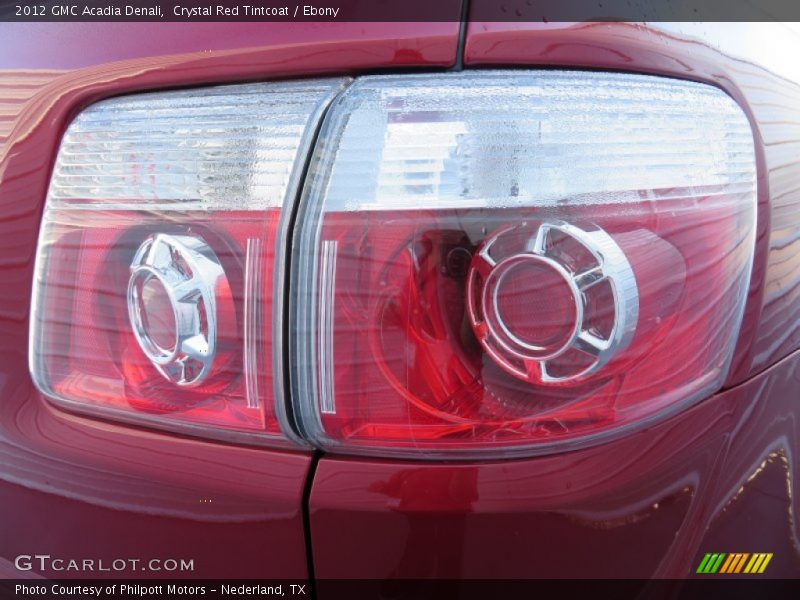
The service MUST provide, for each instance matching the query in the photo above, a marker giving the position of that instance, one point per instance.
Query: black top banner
(399, 10)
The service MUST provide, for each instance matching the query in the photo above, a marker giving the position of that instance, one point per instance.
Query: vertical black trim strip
(306, 516)
(462, 37)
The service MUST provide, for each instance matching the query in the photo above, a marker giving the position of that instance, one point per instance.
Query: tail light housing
(160, 261)
(483, 264)
(506, 263)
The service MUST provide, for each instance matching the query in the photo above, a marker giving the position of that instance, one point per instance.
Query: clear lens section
(154, 290)
(509, 262)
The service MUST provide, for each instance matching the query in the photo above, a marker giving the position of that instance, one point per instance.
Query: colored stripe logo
(737, 562)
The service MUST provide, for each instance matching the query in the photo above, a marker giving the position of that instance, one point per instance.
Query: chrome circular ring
(497, 325)
(532, 243)
(190, 274)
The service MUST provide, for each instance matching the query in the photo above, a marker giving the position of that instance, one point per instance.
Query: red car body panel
(77, 487)
(713, 478)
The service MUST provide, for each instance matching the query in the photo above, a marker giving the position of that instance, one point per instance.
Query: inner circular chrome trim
(608, 263)
(523, 349)
(193, 297)
(140, 276)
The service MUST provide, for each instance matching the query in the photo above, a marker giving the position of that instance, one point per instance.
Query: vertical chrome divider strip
(252, 322)
(327, 286)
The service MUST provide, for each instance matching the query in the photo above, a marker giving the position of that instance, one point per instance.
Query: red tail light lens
(504, 263)
(487, 264)
(154, 293)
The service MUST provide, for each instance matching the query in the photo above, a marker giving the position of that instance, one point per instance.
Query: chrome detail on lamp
(529, 360)
(189, 273)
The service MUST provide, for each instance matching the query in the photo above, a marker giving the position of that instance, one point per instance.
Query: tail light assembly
(505, 263)
(160, 253)
(483, 264)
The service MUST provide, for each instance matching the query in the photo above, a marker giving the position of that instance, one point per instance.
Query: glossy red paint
(78, 487)
(642, 506)
(301, 49)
